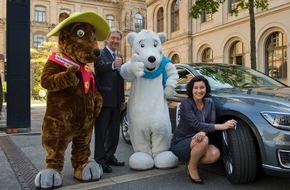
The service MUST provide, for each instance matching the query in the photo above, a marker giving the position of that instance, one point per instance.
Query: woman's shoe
(197, 181)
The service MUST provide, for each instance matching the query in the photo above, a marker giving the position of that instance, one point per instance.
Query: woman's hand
(199, 136)
(230, 124)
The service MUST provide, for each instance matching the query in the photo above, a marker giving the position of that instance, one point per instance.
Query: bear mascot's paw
(136, 66)
(165, 160)
(133, 68)
(48, 179)
(141, 161)
(92, 171)
(71, 77)
(169, 91)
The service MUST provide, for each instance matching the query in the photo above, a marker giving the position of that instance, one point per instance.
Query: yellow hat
(101, 26)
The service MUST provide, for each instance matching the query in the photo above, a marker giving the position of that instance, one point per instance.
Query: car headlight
(277, 119)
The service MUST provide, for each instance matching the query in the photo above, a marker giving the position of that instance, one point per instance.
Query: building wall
(188, 42)
(122, 10)
(178, 42)
(53, 8)
(220, 32)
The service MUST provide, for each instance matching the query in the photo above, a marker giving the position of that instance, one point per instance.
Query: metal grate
(23, 169)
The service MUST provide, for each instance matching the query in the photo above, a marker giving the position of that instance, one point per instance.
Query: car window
(184, 77)
(234, 76)
(217, 77)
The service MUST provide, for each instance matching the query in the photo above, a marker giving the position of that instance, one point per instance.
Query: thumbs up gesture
(136, 66)
(118, 60)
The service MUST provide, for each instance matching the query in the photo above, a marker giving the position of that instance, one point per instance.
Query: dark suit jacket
(109, 81)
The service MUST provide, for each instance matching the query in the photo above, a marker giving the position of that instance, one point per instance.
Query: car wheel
(125, 128)
(239, 154)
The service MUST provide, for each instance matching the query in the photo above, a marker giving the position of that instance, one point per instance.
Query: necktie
(114, 56)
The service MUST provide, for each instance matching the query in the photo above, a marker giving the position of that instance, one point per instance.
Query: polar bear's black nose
(151, 59)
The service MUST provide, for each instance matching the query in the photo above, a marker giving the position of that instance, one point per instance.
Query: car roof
(195, 67)
(211, 64)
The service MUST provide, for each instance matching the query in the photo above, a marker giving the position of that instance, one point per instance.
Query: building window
(39, 14)
(276, 56)
(175, 59)
(207, 55)
(175, 16)
(111, 21)
(237, 53)
(233, 4)
(139, 22)
(38, 39)
(206, 16)
(160, 20)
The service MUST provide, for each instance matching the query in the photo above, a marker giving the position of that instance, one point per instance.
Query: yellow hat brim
(101, 26)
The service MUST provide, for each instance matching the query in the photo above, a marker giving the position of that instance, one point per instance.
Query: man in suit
(111, 86)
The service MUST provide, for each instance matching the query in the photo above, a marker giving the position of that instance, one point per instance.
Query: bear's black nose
(97, 52)
(151, 59)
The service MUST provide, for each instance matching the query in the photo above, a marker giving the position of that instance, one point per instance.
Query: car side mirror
(180, 89)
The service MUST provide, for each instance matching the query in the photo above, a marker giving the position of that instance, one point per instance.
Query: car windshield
(229, 76)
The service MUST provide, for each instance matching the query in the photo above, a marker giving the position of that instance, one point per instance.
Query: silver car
(260, 104)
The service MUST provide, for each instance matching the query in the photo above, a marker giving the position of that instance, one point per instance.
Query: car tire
(239, 154)
(125, 127)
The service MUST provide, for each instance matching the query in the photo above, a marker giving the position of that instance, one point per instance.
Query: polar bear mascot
(153, 78)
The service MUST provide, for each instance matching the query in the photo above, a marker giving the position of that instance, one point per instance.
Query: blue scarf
(161, 69)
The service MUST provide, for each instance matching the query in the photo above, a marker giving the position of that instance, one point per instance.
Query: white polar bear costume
(153, 78)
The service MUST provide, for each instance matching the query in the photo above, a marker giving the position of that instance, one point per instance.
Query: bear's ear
(62, 16)
(130, 37)
(162, 37)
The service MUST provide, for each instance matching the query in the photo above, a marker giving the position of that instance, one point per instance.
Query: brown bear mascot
(73, 102)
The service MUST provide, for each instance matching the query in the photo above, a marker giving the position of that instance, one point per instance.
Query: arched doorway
(276, 56)
(237, 53)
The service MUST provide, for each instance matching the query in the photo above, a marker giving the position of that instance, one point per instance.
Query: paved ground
(22, 156)
(22, 153)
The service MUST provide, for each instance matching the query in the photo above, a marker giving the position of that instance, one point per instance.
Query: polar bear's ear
(130, 37)
(162, 37)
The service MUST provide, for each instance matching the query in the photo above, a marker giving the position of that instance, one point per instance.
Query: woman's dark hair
(198, 78)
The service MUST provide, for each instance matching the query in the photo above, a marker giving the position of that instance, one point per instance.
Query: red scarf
(87, 74)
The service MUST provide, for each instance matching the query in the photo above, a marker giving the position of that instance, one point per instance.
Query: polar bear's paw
(48, 179)
(165, 160)
(141, 161)
(136, 66)
(169, 91)
(139, 71)
(91, 171)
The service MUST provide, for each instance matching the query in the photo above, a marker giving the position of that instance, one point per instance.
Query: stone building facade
(218, 37)
(126, 15)
(222, 37)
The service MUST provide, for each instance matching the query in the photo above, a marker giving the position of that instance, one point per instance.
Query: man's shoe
(114, 162)
(106, 168)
